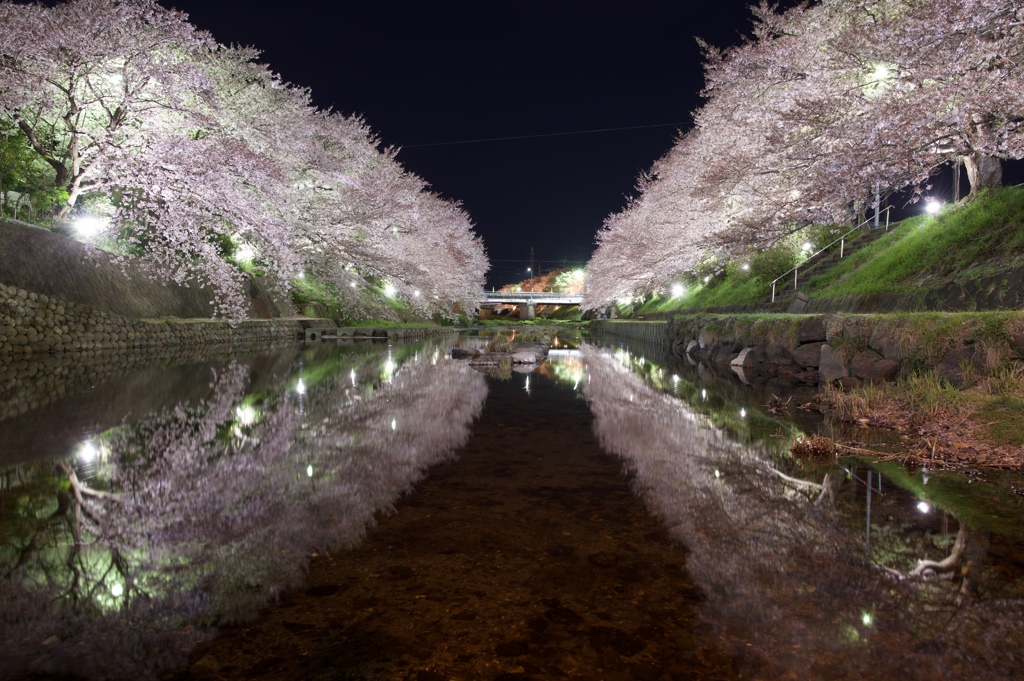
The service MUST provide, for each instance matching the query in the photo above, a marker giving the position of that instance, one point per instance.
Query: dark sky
(425, 75)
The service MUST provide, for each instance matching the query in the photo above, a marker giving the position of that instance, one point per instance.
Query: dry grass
(500, 344)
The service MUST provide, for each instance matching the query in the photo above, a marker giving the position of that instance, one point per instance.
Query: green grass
(961, 243)
(983, 237)
(735, 290)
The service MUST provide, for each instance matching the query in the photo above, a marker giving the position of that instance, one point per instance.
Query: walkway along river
(384, 512)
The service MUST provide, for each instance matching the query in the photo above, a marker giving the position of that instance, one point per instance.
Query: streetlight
(932, 207)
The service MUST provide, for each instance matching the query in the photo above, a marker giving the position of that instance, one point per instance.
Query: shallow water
(379, 512)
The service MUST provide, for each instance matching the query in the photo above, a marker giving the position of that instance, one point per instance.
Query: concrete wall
(38, 260)
(651, 332)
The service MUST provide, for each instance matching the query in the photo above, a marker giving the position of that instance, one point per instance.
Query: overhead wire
(547, 134)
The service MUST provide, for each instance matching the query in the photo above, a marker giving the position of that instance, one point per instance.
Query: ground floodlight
(89, 225)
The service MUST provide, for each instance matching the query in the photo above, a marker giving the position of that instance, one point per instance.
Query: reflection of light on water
(527, 384)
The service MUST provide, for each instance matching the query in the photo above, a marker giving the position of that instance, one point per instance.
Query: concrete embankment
(829, 349)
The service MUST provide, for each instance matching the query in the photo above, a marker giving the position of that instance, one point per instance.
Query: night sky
(429, 77)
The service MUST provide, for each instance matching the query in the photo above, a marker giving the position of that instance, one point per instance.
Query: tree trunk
(983, 172)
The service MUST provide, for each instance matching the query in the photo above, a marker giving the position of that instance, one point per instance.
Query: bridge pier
(531, 311)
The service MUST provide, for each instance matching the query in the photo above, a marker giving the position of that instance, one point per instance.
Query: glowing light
(743, 413)
(678, 290)
(353, 284)
(932, 206)
(87, 452)
(807, 246)
(89, 226)
(707, 279)
(389, 290)
(745, 267)
(116, 590)
(675, 379)
(416, 294)
(309, 471)
(246, 414)
(394, 424)
(881, 72)
(704, 395)
(245, 253)
(300, 387)
(352, 375)
(923, 507)
(301, 275)
(866, 619)
(625, 301)
(717, 474)
(527, 384)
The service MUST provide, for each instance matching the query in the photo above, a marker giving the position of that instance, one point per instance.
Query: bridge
(530, 299)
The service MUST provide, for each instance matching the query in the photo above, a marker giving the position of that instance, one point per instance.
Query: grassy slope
(980, 238)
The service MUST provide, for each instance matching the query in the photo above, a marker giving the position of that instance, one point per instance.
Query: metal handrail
(526, 295)
(842, 243)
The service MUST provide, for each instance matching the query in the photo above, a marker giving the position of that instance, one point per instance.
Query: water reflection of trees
(198, 515)
(786, 578)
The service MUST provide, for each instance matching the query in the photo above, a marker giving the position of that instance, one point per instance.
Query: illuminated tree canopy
(185, 143)
(822, 107)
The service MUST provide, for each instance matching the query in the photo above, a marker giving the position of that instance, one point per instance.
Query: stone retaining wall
(851, 349)
(32, 323)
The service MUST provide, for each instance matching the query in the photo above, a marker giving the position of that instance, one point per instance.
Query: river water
(382, 511)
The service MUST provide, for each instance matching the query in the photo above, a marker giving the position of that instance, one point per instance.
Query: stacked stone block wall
(32, 323)
(851, 349)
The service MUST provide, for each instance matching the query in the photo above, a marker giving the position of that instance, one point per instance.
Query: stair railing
(842, 247)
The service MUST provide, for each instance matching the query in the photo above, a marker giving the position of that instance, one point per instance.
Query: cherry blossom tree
(822, 108)
(192, 142)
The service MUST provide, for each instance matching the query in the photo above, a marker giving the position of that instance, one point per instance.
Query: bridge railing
(527, 296)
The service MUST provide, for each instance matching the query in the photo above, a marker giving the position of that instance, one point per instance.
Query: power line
(548, 134)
